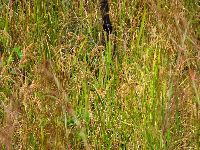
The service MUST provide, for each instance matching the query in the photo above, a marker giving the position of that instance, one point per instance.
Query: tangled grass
(60, 88)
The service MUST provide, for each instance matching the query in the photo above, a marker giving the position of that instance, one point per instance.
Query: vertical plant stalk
(107, 26)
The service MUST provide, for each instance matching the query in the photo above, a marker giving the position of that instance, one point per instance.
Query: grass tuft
(62, 88)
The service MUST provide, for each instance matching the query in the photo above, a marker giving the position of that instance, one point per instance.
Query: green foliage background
(60, 88)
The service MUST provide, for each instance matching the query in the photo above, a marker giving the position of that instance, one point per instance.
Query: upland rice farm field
(104, 7)
(65, 84)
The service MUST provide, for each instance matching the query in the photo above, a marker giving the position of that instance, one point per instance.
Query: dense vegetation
(60, 88)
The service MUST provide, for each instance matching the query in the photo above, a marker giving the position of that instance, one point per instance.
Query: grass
(60, 88)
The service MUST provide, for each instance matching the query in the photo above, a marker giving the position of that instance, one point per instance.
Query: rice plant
(77, 75)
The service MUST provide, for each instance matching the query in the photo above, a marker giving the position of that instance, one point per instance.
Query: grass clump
(60, 88)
